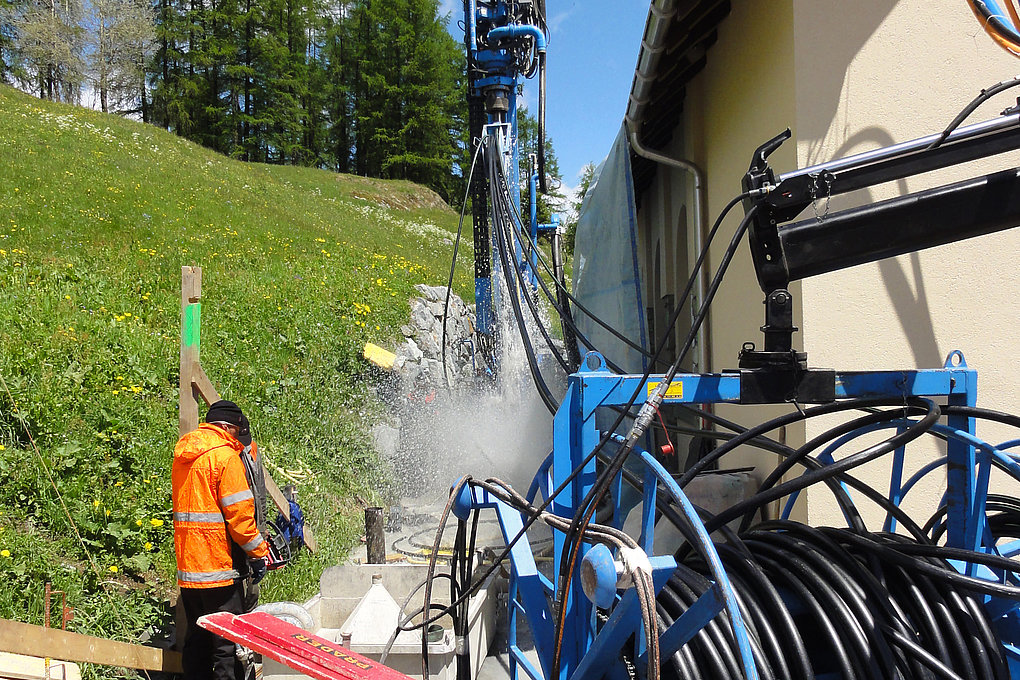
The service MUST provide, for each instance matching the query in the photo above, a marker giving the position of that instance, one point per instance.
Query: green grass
(300, 268)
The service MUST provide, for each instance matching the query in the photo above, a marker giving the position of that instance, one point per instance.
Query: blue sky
(593, 49)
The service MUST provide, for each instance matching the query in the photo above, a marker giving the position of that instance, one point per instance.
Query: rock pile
(420, 357)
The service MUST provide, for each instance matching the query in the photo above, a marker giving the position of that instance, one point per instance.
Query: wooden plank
(310, 541)
(203, 385)
(25, 638)
(22, 667)
(191, 293)
(279, 500)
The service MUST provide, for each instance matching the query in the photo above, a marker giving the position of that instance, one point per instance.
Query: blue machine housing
(591, 647)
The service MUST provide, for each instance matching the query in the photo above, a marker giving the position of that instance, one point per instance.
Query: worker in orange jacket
(216, 540)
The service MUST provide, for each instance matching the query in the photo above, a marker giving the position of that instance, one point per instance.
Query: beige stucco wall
(738, 101)
(872, 74)
(847, 77)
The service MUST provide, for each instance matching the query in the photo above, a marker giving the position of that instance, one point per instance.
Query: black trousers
(207, 656)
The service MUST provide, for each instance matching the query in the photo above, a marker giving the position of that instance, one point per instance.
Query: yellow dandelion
(119, 483)
(148, 546)
(112, 569)
(2, 447)
(106, 512)
(155, 521)
(138, 522)
(5, 553)
(96, 503)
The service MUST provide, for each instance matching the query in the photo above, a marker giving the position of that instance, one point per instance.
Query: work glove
(257, 567)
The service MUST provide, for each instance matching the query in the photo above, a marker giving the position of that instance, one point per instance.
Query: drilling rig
(735, 596)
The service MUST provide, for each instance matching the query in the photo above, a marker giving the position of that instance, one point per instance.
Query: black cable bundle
(838, 601)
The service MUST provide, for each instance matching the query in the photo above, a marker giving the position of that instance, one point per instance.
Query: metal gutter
(660, 16)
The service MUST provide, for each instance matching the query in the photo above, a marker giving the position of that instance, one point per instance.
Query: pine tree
(369, 86)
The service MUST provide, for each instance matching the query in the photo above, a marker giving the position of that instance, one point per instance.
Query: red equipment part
(296, 648)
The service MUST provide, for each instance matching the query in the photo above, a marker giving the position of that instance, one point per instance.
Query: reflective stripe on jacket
(213, 509)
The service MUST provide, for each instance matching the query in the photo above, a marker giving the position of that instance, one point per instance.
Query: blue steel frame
(591, 650)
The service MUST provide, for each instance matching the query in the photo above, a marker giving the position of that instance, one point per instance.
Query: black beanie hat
(244, 436)
(224, 411)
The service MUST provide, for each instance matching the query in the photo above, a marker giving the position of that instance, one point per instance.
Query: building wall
(847, 77)
(738, 101)
(869, 75)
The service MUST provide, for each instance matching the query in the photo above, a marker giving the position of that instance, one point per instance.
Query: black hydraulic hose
(984, 96)
(562, 307)
(768, 495)
(457, 560)
(761, 589)
(681, 662)
(709, 657)
(846, 591)
(518, 287)
(826, 628)
(857, 459)
(776, 423)
(969, 583)
(456, 246)
(920, 653)
(866, 606)
(841, 604)
(835, 560)
(543, 390)
(760, 631)
(522, 286)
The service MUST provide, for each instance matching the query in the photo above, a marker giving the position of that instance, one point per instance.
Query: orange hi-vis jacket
(214, 509)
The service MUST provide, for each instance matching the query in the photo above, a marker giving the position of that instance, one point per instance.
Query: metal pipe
(904, 148)
(542, 182)
(375, 539)
(700, 224)
(520, 31)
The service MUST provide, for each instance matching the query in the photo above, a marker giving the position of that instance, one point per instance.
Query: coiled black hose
(843, 602)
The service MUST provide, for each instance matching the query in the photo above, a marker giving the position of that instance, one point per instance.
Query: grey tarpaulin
(607, 275)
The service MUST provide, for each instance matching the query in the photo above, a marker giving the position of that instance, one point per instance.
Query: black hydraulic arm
(786, 251)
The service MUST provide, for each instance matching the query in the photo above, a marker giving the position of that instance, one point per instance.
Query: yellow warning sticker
(674, 391)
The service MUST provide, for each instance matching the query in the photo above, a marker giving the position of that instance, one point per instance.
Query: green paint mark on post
(193, 325)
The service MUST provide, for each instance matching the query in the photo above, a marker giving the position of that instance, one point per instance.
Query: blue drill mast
(506, 45)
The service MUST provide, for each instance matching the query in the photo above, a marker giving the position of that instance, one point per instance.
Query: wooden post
(196, 385)
(191, 330)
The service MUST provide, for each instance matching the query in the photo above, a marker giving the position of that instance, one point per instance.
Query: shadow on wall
(906, 290)
(833, 41)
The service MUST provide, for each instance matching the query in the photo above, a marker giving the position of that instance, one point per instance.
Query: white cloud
(557, 20)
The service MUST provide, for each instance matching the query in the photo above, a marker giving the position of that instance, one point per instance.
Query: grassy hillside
(300, 268)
